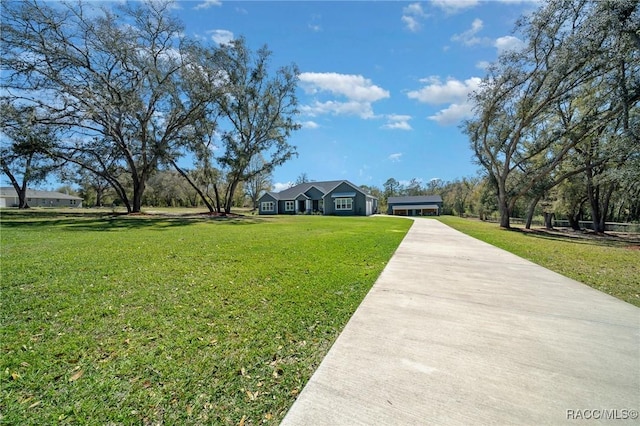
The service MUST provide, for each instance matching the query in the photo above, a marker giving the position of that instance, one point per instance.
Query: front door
(301, 206)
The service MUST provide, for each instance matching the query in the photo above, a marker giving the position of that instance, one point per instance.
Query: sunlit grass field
(607, 264)
(111, 319)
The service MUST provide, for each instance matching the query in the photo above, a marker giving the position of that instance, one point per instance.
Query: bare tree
(112, 79)
(526, 117)
(256, 113)
(259, 183)
(23, 156)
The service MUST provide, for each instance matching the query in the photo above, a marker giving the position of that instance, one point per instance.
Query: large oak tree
(575, 81)
(111, 80)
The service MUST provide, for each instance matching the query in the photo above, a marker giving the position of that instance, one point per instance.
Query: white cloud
(453, 114)
(361, 109)
(414, 9)
(453, 92)
(221, 36)
(395, 157)
(354, 87)
(436, 92)
(469, 37)
(508, 43)
(206, 4)
(483, 65)
(412, 15)
(397, 122)
(454, 6)
(281, 186)
(359, 91)
(310, 125)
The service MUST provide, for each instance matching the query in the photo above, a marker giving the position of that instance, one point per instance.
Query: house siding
(315, 197)
(266, 198)
(35, 198)
(359, 205)
(314, 193)
(282, 210)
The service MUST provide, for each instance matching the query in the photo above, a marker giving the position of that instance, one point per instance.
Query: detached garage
(420, 205)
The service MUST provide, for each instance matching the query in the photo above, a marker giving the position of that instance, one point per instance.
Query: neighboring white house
(9, 198)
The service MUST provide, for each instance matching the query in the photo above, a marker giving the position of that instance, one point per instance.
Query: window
(267, 206)
(344, 203)
(289, 206)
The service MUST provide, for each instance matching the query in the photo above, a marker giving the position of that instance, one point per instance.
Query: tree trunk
(229, 199)
(503, 209)
(574, 221)
(22, 197)
(98, 197)
(215, 189)
(21, 190)
(548, 220)
(532, 208)
(605, 208)
(194, 186)
(138, 191)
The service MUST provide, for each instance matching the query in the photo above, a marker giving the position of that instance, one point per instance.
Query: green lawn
(135, 320)
(609, 264)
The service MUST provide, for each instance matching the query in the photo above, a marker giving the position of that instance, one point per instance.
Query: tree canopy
(572, 91)
(128, 92)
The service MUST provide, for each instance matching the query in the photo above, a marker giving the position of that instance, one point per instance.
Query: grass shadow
(109, 221)
(580, 237)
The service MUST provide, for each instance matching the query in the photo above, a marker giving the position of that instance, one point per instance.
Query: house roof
(324, 186)
(416, 199)
(416, 206)
(9, 191)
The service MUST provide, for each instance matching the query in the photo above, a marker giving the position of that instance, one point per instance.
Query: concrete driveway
(458, 332)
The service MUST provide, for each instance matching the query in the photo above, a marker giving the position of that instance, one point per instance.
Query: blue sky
(383, 85)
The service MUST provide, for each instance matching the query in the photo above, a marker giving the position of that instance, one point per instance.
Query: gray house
(9, 198)
(420, 205)
(336, 197)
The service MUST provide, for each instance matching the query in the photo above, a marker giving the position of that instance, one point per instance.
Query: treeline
(165, 188)
(121, 97)
(556, 124)
(476, 197)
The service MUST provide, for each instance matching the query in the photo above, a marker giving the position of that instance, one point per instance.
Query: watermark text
(602, 414)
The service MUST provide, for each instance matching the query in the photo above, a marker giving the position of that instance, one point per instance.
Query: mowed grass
(607, 264)
(138, 320)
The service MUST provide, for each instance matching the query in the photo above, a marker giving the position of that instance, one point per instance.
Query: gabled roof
(274, 195)
(9, 191)
(415, 199)
(324, 186)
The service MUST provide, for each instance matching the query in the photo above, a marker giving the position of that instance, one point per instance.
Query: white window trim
(289, 206)
(264, 208)
(348, 205)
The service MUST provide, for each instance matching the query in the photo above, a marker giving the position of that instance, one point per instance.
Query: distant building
(9, 198)
(336, 197)
(420, 205)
